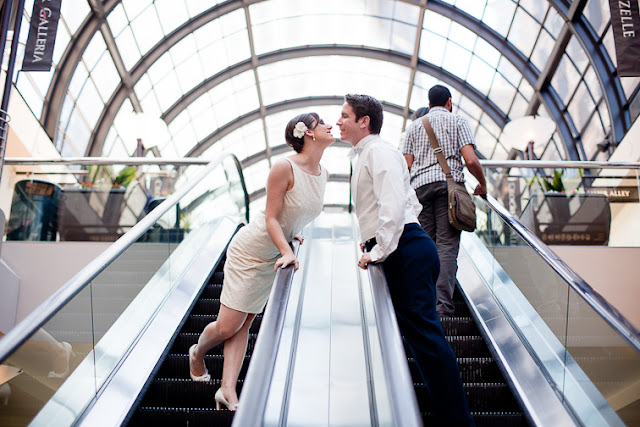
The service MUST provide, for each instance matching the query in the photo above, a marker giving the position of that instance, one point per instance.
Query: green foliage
(556, 184)
(125, 177)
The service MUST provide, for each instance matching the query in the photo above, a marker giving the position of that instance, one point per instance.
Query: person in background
(416, 115)
(430, 184)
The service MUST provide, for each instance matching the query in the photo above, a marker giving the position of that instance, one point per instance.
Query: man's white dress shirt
(382, 194)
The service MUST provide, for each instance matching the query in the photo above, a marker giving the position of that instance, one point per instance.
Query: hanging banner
(42, 35)
(625, 20)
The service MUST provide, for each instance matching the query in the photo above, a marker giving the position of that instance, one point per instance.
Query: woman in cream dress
(295, 194)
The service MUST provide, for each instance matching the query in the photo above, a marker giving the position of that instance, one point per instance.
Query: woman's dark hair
(309, 119)
(438, 96)
(419, 113)
(365, 105)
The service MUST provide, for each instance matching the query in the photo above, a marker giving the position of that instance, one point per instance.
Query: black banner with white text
(38, 54)
(625, 20)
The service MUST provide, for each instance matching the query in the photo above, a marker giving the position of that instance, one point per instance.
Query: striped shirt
(453, 133)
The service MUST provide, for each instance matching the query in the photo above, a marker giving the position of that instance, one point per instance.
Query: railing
(394, 360)
(255, 390)
(587, 348)
(49, 344)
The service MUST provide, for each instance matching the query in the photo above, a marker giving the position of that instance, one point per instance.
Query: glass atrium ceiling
(228, 75)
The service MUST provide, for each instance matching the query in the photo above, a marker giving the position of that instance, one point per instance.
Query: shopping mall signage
(625, 20)
(42, 35)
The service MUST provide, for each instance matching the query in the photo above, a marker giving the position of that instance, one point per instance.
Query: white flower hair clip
(300, 129)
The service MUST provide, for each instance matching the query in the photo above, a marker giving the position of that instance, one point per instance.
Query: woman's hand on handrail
(286, 260)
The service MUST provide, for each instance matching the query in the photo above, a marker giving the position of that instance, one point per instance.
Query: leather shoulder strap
(436, 146)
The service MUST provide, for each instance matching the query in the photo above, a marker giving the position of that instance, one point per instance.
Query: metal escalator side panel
(122, 386)
(530, 355)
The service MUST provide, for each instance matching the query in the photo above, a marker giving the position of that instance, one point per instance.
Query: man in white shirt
(387, 208)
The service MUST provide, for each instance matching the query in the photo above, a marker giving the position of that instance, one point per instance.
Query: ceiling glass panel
(171, 13)
(474, 8)
(146, 29)
(544, 46)
(524, 40)
(566, 79)
(581, 107)
(138, 25)
(598, 14)
(553, 22)
(432, 48)
(73, 13)
(498, 15)
(502, 92)
(333, 75)
(577, 55)
(117, 20)
(457, 59)
(482, 75)
(128, 48)
(90, 103)
(592, 135)
(106, 74)
(536, 8)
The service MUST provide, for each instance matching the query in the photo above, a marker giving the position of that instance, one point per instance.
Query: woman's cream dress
(248, 271)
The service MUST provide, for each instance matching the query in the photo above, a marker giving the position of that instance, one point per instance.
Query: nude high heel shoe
(220, 399)
(202, 378)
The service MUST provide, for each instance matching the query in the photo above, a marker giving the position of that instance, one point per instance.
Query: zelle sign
(625, 20)
(42, 35)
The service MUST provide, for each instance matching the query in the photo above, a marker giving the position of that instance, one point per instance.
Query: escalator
(172, 399)
(491, 401)
(329, 349)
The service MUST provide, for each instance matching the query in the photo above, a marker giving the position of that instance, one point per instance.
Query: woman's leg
(234, 351)
(228, 323)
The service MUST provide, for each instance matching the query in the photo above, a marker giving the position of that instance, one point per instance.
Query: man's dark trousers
(434, 218)
(411, 272)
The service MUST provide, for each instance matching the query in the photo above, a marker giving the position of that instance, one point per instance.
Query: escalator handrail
(45, 311)
(559, 164)
(610, 314)
(255, 390)
(394, 360)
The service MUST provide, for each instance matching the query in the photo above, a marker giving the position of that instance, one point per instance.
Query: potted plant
(561, 217)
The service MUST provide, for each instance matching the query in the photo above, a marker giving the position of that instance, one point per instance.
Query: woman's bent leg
(228, 323)
(234, 351)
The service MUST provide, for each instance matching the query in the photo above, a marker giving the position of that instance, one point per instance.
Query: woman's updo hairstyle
(309, 119)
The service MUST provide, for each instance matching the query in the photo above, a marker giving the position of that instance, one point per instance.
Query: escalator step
(186, 340)
(472, 370)
(482, 397)
(183, 393)
(459, 326)
(181, 417)
(488, 419)
(206, 306)
(216, 277)
(212, 291)
(197, 322)
(463, 346)
(176, 366)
